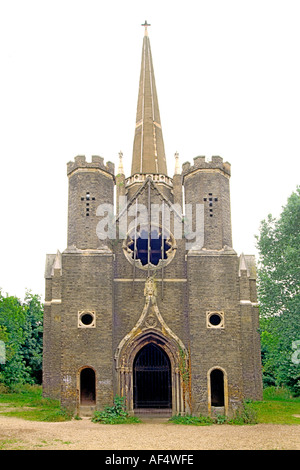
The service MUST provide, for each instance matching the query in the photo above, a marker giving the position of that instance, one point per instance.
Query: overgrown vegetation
(186, 376)
(278, 407)
(279, 296)
(115, 414)
(21, 331)
(193, 420)
(246, 415)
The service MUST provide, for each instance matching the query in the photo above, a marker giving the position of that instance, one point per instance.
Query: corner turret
(90, 184)
(207, 183)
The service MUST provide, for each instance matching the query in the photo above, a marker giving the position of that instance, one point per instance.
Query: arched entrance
(152, 378)
(217, 391)
(139, 356)
(87, 386)
(217, 387)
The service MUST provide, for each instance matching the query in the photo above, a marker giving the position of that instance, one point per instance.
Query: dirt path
(17, 433)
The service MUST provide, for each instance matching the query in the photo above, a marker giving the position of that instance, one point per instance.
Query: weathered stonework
(198, 308)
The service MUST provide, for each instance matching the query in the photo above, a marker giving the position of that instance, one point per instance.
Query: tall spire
(148, 147)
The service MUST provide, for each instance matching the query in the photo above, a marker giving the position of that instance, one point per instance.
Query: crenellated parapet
(97, 162)
(201, 163)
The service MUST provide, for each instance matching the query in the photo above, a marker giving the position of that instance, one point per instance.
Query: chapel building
(149, 300)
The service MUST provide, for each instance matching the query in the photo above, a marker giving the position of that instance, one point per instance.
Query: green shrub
(221, 419)
(115, 414)
(194, 420)
(245, 415)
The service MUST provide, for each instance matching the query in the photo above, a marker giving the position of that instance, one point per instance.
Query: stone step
(217, 410)
(86, 411)
(152, 413)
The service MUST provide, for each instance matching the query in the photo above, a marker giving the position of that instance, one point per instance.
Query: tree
(21, 331)
(32, 348)
(279, 294)
(12, 322)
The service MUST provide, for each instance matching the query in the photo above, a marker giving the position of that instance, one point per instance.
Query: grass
(28, 403)
(277, 407)
(7, 443)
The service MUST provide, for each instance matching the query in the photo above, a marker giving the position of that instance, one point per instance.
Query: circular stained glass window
(151, 249)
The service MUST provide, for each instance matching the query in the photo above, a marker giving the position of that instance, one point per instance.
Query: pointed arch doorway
(136, 355)
(152, 378)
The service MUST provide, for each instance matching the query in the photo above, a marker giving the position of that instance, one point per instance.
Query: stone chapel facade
(159, 308)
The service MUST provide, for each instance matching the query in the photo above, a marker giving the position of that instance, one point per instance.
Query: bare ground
(152, 434)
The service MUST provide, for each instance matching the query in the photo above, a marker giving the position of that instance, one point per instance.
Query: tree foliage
(21, 331)
(279, 295)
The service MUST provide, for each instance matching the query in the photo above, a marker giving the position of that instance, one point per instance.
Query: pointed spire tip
(146, 26)
(148, 154)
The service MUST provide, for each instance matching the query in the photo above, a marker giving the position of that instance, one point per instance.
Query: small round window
(215, 319)
(86, 319)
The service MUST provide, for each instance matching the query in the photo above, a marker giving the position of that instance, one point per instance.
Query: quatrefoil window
(151, 249)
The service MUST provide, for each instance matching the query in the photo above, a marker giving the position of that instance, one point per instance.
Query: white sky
(228, 82)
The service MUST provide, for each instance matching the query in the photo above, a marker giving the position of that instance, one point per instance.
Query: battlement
(200, 162)
(96, 163)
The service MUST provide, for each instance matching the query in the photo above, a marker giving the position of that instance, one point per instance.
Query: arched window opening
(87, 386)
(217, 387)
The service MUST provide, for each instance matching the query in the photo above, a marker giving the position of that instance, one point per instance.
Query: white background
(228, 81)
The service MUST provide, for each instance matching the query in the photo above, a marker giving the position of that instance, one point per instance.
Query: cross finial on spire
(146, 25)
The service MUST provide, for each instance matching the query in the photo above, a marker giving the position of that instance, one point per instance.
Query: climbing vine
(186, 376)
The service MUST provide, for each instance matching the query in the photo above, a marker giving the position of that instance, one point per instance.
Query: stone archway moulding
(150, 328)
